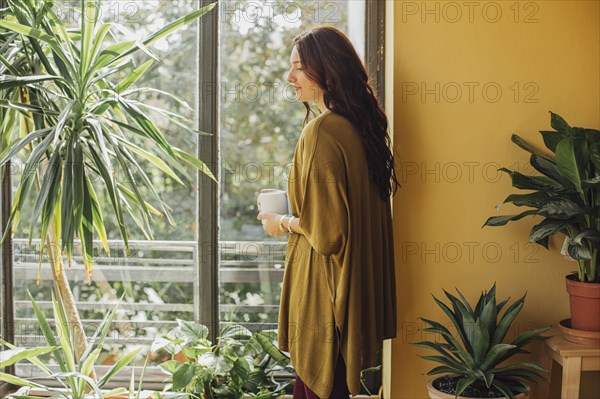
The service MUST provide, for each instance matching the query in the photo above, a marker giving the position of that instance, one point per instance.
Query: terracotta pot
(585, 304)
(435, 394)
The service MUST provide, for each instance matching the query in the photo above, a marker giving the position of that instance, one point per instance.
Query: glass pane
(159, 281)
(260, 123)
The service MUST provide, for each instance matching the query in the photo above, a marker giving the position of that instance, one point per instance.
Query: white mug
(273, 201)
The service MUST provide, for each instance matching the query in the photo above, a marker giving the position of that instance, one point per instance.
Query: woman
(338, 301)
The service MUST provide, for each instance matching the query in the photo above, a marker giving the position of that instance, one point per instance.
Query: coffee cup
(273, 201)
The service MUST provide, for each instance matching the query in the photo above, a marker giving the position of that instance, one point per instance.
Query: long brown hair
(329, 59)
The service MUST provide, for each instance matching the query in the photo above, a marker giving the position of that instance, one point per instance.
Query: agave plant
(67, 103)
(476, 350)
(74, 375)
(567, 194)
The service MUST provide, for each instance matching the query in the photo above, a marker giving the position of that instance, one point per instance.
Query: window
(216, 266)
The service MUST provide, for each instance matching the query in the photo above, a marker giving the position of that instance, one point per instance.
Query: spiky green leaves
(76, 117)
(482, 331)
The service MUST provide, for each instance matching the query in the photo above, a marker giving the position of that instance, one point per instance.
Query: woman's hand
(272, 224)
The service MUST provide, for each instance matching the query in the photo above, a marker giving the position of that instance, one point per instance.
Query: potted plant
(567, 196)
(473, 358)
(241, 364)
(67, 100)
(74, 374)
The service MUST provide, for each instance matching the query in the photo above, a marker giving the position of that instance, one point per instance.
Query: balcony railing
(160, 281)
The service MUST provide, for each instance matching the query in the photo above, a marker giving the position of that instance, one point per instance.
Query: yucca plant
(474, 353)
(566, 195)
(67, 103)
(73, 376)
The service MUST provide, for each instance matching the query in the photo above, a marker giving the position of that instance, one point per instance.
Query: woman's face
(306, 90)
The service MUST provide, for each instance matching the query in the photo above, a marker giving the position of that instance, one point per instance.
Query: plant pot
(435, 394)
(584, 299)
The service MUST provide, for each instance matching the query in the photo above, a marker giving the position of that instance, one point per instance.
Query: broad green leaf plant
(476, 350)
(67, 105)
(566, 194)
(240, 363)
(74, 381)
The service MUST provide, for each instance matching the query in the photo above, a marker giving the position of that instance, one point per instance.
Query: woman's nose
(289, 77)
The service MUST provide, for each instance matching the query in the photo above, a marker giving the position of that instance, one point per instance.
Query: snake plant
(474, 352)
(566, 195)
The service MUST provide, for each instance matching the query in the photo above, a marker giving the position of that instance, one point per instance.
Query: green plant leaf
(528, 147)
(464, 383)
(173, 26)
(561, 208)
(546, 167)
(169, 366)
(118, 366)
(133, 76)
(587, 234)
(546, 228)
(37, 34)
(236, 331)
(194, 162)
(192, 331)
(525, 182)
(266, 342)
(11, 379)
(457, 323)
(11, 356)
(534, 200)
(559, 124)
(479, 338)
(594, 152)
(571, 155)
(506, 321)
(441, 370)
(496, 352)
(9, 81)
(489, 314)
(459, 367)
(502, 220)
(529, 336)
(505, 389)
(14, 149)
(183, 375)
(26, 108)
(551, 138)
(579, 252)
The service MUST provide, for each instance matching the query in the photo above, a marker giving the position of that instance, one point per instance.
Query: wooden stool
(574, 358)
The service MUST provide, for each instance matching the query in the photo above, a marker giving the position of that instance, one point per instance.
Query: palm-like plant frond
(76, 121)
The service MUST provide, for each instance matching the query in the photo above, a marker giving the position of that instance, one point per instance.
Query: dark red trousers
(339, 391)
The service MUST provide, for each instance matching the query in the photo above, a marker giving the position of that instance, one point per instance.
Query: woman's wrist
(281, 228)
(290, 224)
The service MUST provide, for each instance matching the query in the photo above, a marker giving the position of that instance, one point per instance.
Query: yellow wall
(449, 143)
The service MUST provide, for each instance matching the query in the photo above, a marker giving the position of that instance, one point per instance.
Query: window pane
(260, 123)
(159, 280)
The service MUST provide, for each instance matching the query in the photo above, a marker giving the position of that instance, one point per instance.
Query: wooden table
(574, 358)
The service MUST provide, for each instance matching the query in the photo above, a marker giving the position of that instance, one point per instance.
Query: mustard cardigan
(339, 287)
